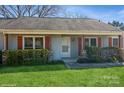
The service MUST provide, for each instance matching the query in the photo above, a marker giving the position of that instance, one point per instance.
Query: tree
(70, 14)
(117, 24)
(16, 11)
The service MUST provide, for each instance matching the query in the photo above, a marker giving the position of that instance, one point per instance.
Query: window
(91, 41)
(38, 42)
(28, 43)
(33, 42)
(64, 48)
(115, 42)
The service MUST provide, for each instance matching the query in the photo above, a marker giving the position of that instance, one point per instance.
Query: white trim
(90, 40)
(33, 41)
(60, 32)
(115, 38)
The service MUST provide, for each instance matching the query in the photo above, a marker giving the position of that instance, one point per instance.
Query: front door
(65, 46)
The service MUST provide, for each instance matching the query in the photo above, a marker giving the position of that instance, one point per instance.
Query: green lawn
(59, 75)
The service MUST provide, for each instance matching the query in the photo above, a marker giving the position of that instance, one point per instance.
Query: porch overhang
(59, 32)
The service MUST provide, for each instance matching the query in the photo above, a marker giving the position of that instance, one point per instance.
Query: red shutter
(6, 41)
(79, 45)
(19, 41)
(120, 41)
(99, 42)
(83, 45)
(110, 41)
(48, 42)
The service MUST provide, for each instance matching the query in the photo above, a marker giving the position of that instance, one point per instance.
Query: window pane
(28, 43)
(38, 42)
(86, 42)
(93, 42)
(64, 48)
(115, 42)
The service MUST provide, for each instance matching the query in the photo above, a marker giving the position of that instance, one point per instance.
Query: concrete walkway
(73, 65)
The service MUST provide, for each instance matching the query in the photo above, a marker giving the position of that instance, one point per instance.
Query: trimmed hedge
(56, 62)
(96, 55)
(90, 60)
(26, 57)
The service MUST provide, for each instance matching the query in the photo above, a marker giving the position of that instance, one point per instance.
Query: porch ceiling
(60, 32)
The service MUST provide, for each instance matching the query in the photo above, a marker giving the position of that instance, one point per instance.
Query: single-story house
(65, 37)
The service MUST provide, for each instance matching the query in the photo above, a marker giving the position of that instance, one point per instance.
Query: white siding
(56, 45)
(1, 41)
(12, 41)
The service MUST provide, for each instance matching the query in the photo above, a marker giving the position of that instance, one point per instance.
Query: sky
(101, 12)
(105, 13)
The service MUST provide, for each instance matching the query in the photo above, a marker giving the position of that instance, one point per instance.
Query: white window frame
(90, 40)
(115, 38)
(33, 41)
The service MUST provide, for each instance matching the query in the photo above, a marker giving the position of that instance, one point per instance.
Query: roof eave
(60, 32)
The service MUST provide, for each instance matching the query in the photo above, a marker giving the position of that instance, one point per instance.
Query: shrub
(113, 59)
(56, 62)
(96, 55)
(94, 59)
(84, 60)
(27, 57)
(91, 51)
(109, 59)
(0, 56)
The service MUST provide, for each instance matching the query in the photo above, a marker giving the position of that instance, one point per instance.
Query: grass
(59, 75)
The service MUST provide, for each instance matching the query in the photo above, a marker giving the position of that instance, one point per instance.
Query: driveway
(73, 65)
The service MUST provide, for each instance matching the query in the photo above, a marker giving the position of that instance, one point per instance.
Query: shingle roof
(55, 24)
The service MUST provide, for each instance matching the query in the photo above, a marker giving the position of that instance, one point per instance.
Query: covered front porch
(65, 45)
(70, 48)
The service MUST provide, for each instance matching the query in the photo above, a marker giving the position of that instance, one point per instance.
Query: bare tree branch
(15, 11)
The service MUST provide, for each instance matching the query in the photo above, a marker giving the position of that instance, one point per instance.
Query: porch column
(5, 41)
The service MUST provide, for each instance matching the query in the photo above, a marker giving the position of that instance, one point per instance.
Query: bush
(84, 60)
(0, 56)
(27, 57)
(92, 51)
(94, 59)
(56, 62)
(113, 59)
(96, 55)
